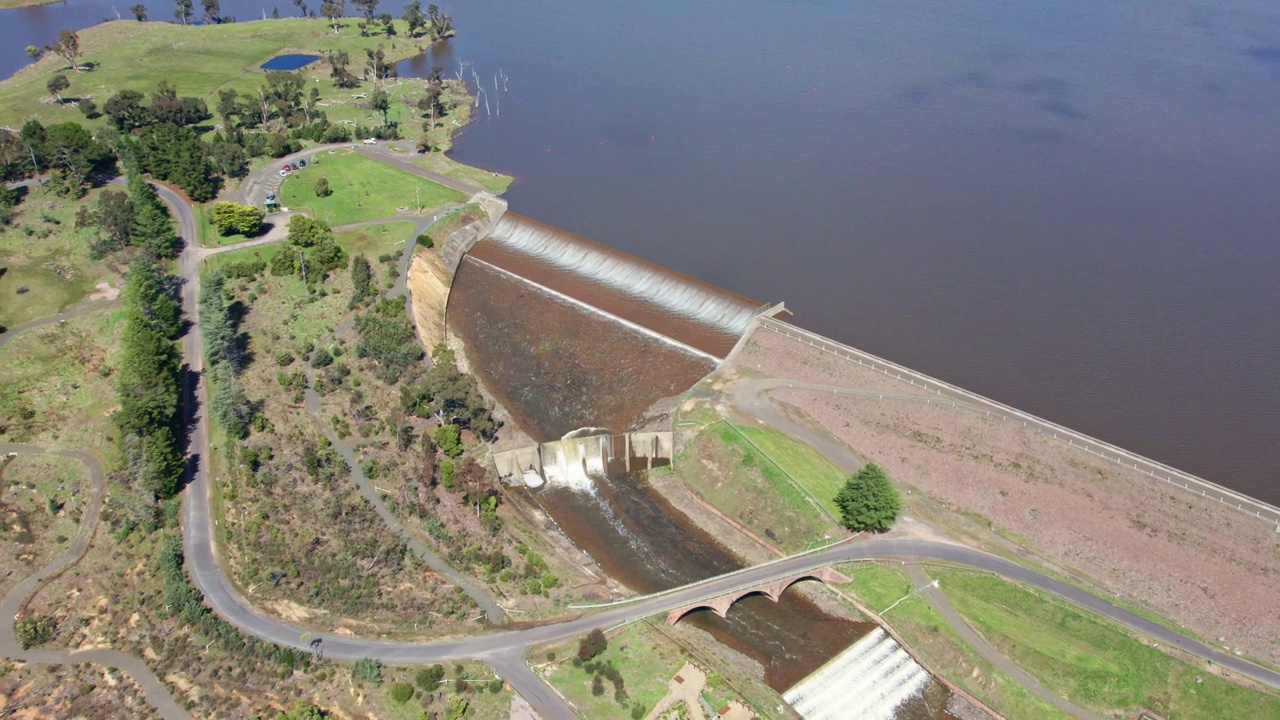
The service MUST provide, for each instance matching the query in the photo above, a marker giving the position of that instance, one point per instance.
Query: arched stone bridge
(772, 590)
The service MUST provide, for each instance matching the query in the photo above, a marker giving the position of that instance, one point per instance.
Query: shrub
(495, 686)
(400, 692)
(244, 268)
(34, 630)
(425, 241)
(597, 686)
(322, 358)
(447, 469)
(448, 438)
(284, 358)
(367, 669)
(592, 645)
(428, 678)
(551, 656)
(322, 187)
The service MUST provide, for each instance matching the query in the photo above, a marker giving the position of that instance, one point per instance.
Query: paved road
(15, 601)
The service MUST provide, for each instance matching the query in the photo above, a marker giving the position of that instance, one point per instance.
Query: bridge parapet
(773, 590)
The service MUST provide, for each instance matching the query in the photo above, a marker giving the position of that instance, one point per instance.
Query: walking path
(938, 601)
(15, 601)
(86, 308)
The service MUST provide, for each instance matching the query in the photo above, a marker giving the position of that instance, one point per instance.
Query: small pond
(289, 62)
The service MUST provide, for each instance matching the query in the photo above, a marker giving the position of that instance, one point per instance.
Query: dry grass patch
(41, 499)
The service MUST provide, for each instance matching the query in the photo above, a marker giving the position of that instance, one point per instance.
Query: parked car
(284, 172)
(302, 163)
(371, 141)
(293, 166)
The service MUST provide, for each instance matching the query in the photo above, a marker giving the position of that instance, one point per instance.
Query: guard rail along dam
(572, 336)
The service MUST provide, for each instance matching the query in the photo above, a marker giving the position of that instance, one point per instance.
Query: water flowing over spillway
(868, 681)
(701, 316)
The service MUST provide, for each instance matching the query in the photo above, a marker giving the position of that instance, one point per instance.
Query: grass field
(438, 162)
(879, 586)
(363, 189)
(199, 61)
(42, 250)
(721, 467)
(646, 658)
(806, 466)
(57, 385)
(1091, 661)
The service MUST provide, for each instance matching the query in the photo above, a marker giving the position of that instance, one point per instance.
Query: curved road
(505, 649)
(14, 602)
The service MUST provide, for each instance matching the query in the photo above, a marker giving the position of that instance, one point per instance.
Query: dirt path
(14, 602)
(938, 601)
(87, 308)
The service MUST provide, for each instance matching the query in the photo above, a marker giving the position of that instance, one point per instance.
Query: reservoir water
(1070, 207)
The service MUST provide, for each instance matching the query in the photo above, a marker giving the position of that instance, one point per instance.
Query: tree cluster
(139, 219)
(868, 500)
(148, 385)
(309, 251)
(449, 395)
(67, 151)
(235, 219)
(387, 337)
(227, 355)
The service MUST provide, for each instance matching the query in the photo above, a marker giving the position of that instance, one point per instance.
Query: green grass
(363, 189)
(821, 479)
(41, 236)
(1089, 660)
(880, 585)
(57, 384)
(375, 240)
(199, 61)
(721, 467)
(443, 164)
(646, 658)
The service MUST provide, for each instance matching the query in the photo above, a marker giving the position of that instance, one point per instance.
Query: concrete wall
(646, 446)
(465, 237)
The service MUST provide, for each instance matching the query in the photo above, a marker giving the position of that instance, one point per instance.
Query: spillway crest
(569, 333)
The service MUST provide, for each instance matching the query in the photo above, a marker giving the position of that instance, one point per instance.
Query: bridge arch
(772, 590)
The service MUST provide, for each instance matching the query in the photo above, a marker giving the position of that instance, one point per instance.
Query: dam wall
(572, 462)
(1120, 456)
(461, 241)
(570, 334)
(689, 311)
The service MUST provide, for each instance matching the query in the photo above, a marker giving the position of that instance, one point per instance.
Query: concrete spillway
(699, 315)
(868, 681)
(569, 333)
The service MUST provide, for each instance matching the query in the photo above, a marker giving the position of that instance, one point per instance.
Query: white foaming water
(571, 463)
(868, 681)
(673, 293)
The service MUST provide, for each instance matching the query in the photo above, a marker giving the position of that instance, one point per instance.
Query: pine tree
(868, 500)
